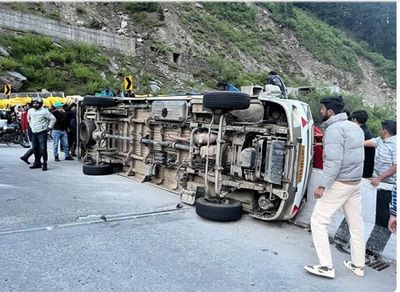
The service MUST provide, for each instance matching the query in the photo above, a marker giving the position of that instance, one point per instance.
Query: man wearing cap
(339, 186)
(41, 121)
(59, 133)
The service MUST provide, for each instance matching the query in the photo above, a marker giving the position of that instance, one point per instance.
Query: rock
(124, 24)
(4, 52)
(113, 67)
(199, 5)
(80, 23)
(17, 75)
(103, 75)
(166, 10)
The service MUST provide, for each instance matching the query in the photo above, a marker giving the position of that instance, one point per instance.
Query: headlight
(5, 128)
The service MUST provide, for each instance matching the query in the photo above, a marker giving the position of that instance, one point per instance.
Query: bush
(143, 7)
(353, 102)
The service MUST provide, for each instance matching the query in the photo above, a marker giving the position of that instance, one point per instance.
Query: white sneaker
(359, 271)
(321, 271)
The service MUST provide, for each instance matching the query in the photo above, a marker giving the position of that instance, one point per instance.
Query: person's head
(388, 129)
(272, 73)
(331, 106)
(58, 105)
(360, 117)
(37, 102)
(221, 85)
(107, 89)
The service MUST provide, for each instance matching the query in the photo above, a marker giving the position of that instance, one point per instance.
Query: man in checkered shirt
(384, 172)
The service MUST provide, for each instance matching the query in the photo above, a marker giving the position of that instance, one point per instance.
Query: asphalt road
(53, 238)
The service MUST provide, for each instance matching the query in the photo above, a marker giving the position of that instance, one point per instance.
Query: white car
(225, 152)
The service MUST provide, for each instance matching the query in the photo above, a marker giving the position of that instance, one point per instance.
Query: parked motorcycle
(12, 133)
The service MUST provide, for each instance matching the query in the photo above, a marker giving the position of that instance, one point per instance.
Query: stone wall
(26, 22)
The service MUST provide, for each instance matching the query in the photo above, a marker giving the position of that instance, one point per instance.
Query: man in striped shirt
(384, 172)
(392, 225)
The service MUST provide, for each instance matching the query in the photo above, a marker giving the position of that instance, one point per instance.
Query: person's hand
(392, 225)
(376, 180)
(319, 192)
(48, 129)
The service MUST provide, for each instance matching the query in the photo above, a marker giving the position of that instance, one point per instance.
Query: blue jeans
(61, 136)
(39, 146)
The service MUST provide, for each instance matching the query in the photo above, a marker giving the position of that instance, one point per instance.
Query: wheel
(86, 129)
(219, 210)
(226, 100)
(102, 101)
(24, 141)
(97, 169)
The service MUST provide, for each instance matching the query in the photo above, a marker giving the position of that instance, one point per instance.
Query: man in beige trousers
(339, 187)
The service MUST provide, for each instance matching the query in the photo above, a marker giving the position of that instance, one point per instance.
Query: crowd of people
(41, 123)
(350, 153)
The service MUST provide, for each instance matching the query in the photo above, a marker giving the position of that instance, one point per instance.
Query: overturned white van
(225, 152)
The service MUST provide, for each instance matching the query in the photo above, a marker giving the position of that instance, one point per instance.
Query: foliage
(374, 23)
(72, 68)
(143, 7)
(80, 9)
(328, 44)
(353, 102)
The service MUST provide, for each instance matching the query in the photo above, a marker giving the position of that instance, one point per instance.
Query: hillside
(189, 46)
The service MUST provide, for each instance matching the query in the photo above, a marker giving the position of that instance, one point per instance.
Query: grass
(73, 69)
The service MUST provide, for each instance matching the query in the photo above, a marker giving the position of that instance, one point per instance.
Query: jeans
(39, 146)
(61, 136)
(346, 195)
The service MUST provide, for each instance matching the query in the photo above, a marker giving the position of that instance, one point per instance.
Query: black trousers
(39, 146)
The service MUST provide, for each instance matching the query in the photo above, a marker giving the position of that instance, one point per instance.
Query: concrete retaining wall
(26, 22)
(368, 195)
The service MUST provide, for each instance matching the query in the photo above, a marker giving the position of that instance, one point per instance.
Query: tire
(97, 169)
(86, 129)
(226, 100)
(214, 210)
(101, 101)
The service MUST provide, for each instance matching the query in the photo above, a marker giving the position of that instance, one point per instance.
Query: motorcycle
(12, 133)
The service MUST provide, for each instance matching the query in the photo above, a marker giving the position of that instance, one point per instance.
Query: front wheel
(222, 210)
(97, 169)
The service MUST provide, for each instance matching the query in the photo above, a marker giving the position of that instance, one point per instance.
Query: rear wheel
(101, 101)
(226, 100)
(97, 169)
(222, 210)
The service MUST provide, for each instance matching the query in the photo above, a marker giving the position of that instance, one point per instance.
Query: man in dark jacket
(339, 186)
(274, 79)
(59, 133)
(360, 118)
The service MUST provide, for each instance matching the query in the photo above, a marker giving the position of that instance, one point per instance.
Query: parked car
(223, 151)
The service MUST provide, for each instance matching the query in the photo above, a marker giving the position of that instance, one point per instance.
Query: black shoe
(69, 157)
(35, 166)
(56, 158)
(44, 167)
(24, 159)
(73, 154)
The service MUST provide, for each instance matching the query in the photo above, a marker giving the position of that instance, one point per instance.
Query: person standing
(41, 122)
(27, 130)
(59, 133)
(385, 169)
(339, 186)
(359, 117)
(392, 224)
